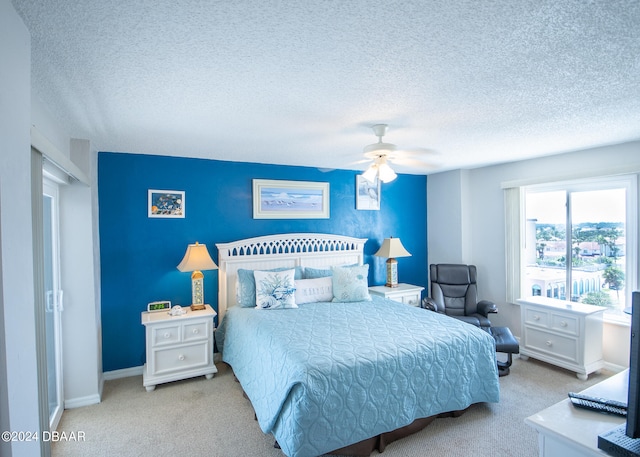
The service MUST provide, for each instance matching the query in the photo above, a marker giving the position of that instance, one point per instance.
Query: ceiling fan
(382, 153)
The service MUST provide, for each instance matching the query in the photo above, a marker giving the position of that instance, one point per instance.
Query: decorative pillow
(313, 290)
(246, 285)
(275, 289)
(350, 283)
(313, 273)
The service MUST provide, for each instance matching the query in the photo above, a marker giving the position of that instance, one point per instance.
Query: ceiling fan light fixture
(380, 170)
(385, 173)
(371, 173)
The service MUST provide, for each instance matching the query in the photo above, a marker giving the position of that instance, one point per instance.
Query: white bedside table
(178, 347)
(404, 293)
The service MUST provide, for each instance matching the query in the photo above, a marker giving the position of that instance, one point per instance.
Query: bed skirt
(364, 448)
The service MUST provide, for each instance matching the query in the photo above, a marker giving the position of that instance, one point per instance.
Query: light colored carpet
(199, 417)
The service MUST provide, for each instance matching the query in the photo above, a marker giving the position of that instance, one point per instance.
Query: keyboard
(601, 405)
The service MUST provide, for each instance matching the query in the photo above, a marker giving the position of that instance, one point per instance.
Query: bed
(343, 377)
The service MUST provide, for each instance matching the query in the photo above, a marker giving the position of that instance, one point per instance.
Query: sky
(589, 206)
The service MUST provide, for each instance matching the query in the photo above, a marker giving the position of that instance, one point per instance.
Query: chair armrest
(485, 307)
(428, 303)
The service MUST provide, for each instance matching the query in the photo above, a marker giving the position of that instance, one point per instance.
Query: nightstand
(404, 293)
(178, 347)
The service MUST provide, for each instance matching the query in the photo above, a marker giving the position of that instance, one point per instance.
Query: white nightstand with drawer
(178, 347)
(404, 293)
(562, 333)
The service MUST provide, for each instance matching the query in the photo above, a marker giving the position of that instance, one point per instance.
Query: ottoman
(505, 343)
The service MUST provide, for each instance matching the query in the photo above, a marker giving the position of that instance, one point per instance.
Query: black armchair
(454, 292)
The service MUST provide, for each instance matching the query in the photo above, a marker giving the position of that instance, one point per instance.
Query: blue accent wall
(139, 254)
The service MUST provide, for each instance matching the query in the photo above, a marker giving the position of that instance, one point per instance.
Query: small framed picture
(166, 203)
(367, 193)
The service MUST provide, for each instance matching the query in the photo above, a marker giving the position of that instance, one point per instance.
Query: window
(574, 240)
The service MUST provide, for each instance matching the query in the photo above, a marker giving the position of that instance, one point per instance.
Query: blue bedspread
(327, 375)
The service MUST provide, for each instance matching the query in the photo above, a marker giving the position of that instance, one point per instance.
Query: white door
(53, 301)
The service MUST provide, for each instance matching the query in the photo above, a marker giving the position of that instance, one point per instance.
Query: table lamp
(391, 248)
(196, 259)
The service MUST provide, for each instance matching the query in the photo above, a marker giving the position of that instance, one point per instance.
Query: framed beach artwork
(273, 199)
(367, 193)
(166, 203)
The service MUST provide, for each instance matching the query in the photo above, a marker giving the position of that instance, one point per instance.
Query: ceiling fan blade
(415, 152)
(358, 162)
(413, 163)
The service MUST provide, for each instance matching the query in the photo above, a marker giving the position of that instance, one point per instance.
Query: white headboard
(315, 250)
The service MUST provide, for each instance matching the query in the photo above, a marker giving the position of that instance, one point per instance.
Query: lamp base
(197, 307)
(392, 273)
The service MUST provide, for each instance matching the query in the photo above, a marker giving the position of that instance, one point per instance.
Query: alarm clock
(163, 305)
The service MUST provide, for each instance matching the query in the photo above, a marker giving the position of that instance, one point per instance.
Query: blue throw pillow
(246, 285)
(314, 273)
(351, 283)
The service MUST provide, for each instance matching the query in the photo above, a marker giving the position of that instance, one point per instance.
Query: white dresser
(562, 333)
(178, 347)
(404, 293)
(567, 431)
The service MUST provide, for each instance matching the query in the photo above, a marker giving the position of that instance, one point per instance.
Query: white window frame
(514, 229)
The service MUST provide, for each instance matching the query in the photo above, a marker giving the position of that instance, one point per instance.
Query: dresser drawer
(565, 324)
(195, 331)
(536, 316)
(180, 358)
(166, 334)
(559, 346)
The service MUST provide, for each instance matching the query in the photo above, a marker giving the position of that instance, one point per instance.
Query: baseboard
(137, 371)
(613, 367)
(81, 401)
(124, 373)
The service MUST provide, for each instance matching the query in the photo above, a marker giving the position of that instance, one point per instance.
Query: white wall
(82, 360)
(18, 370)
(444, 231)
(82, 356)
(480, 240)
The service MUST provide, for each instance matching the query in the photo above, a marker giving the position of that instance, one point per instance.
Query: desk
(567, 431)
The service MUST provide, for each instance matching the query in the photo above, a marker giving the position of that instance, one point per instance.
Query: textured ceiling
(298, 82)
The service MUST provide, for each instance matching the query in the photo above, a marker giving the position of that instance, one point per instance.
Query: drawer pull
(549, 343)
(563, 324)
(536, 318)
(167, 335)
(195, 331)
(181, 357)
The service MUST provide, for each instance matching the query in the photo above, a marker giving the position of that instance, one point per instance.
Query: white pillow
(275, 289)
(314, 290)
